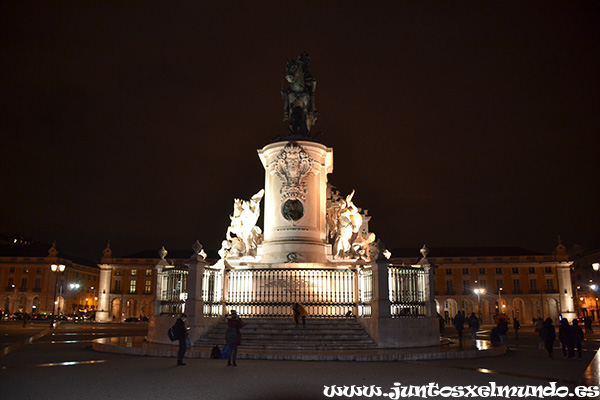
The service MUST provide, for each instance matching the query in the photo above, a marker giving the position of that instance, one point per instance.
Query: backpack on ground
(215, 353)
(171, 333)
(225, 352)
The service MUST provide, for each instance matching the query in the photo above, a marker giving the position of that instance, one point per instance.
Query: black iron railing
(325, 293)
(407, 291)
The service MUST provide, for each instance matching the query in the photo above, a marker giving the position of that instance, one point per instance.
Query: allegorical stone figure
(243, 235)
(299, 98)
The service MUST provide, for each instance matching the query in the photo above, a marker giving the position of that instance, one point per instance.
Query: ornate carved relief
(292, 166)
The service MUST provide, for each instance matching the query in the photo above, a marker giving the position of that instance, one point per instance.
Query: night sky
(458, 123)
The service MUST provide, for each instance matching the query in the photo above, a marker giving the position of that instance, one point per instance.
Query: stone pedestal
(391, 332)
(194, 306)
(565, 288)
(103, 311)
(295, 202)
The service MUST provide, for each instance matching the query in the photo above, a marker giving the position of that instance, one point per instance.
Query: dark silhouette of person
(563, 336)
(548, 335)
(575, 340)
(459, 324)
(516, 327)
(233, 336)
(181, 334)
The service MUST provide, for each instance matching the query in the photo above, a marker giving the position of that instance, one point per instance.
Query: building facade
(586, 281)
(30, 286)
(489, 281)
(127, 285)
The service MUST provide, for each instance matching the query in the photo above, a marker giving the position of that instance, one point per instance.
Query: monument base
(402, 332)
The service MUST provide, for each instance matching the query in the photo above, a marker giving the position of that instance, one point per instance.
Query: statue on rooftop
(299, 98)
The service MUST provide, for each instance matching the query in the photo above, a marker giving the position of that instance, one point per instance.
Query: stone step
(294, 331)
(289, 339)
(325, 334)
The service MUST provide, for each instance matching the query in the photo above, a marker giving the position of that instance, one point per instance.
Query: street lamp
(74, 286)
(15, 299)
(594, 287)
(58, 269)
(596, 266)
(479, 292)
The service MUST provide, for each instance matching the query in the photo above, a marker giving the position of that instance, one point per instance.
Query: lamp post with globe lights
(57, 269)
(479, 292)
(75, 287)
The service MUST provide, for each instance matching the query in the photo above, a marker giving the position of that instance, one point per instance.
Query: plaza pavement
(80, 372)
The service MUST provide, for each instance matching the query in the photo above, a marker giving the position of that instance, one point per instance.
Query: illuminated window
(117, 272)
(132, 286)
(148, 272)
(133, 272)
(148, 287)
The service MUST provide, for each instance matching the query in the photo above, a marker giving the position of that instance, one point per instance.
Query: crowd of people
(570, 335)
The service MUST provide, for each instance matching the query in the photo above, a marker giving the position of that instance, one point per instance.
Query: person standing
(539, 323)
(502, 329)
(233, 336)
(516, 327)
(563, 336)
(587, 321)
(459, 324)
(473, 322)
(441, 323)
(548, 335)
(181, 334)
(299, 311)
(575, 340)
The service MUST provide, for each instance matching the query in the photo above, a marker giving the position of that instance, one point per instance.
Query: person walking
(575, 340)
(563, 336)
(459, 324)
(473, 323)
(233, 336)
(299, 311)
(548, 335)
(181, 334)
(516, 327)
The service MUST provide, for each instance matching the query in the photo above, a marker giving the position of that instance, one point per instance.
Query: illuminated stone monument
(315, 248)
